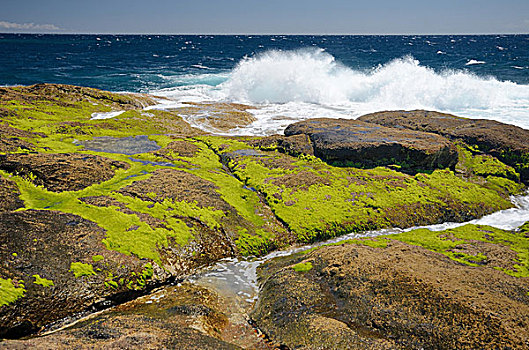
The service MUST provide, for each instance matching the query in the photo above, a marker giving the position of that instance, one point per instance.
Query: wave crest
(314, 76)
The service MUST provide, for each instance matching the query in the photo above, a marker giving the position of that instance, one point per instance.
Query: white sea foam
(106, 115)
(295, 85)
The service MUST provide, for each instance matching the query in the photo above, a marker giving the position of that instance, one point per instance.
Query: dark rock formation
(506, 142)
(352, 142)
(294, 145)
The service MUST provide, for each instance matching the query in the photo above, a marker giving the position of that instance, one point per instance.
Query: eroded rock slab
(217, 116)
(186, 317)
(506, 142)
(353, 142)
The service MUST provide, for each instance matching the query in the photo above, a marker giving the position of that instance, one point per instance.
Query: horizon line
(262, 34)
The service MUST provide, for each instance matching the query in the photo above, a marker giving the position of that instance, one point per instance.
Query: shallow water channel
(235, 280)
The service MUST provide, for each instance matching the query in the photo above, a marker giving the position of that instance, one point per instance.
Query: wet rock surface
(398, 296)
(506, 142)
(217, 116)
(359, 143)
(185, 316)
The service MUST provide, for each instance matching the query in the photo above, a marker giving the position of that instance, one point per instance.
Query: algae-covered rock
(117, 220)
(13, 139)
(50, 256)
(316, 200)
(353, 142)
(69, 94)
(383, 293)
(97, 211)
(506, 142)
(61, 172)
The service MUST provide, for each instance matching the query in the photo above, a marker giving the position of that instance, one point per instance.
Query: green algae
(43, 281)
(142, 241)
(501, 184)
(447, 242)
(9, 293)
(80, 269)
(470, 160)
(97, 258)
(316, 200)
(302, 267)
(373, 242)
(255, 237)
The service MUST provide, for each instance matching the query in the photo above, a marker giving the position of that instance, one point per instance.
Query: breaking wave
(294, 85)
(314, 76)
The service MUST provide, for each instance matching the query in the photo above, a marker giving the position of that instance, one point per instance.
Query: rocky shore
(99, 208)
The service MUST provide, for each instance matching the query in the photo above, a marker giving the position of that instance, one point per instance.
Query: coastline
(155, 200)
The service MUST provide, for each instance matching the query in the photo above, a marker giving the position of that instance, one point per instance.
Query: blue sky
(266, 16)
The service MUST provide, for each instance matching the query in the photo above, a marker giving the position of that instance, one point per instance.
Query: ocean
(289, 78)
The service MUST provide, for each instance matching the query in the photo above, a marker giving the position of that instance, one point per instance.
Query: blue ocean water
(289, 77)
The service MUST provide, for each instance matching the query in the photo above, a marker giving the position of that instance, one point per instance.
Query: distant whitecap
(471, 62)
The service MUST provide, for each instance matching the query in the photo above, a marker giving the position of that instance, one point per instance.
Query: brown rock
(9, 195)
(354, 142)
(62, 94)
(45, 243)
(400, 296)
(184, 317)
(506, 142)
(63, 171)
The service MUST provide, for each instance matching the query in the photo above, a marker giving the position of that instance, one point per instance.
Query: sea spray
(294, 85)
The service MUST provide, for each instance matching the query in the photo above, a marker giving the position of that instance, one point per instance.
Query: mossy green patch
(80, 269)
(9, 293)
(446, 242)
(501, 184)
(97, 258)
(126, 233)
(470, 160)
(302, 267)
(43, 281)
(317, 200)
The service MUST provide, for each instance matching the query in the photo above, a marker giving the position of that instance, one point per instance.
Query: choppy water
(289, 77)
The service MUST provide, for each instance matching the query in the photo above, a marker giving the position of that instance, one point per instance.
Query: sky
(265, 16)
